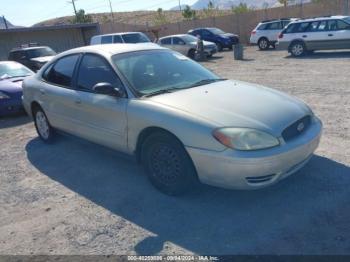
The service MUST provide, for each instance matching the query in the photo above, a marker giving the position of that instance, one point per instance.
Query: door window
(275, 26)
(166, 41)
(61, 73)
(93, 70)
(178, 41)
(106, 39)
(117, 39)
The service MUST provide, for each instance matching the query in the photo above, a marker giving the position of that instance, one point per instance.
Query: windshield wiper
(162, 91)
(206, 81)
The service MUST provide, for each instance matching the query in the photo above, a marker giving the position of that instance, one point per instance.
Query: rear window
(262, 27)
(297, 28)
(135, 38)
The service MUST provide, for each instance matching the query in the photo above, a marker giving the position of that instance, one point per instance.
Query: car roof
(178, 35)
(113, 49)
(320, 18)
(279, 19)
(27, 48)
(120, 33)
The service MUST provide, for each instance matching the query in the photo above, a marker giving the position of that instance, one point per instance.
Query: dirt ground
(74, 197)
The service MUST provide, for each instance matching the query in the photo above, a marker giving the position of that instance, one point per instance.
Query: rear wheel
(297, 49)
(42, 125)
(167, 164)
(263, 44)
(192, 53)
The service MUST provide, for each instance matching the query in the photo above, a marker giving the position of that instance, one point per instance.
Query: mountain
(227, 4)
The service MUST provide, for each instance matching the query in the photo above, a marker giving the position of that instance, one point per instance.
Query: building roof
(53, 27)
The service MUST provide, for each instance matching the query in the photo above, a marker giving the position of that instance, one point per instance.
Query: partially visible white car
(186, 44)
(265, 34)
(322, 33)
(120, 38)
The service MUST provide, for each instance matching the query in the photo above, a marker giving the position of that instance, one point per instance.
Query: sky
(29, 12)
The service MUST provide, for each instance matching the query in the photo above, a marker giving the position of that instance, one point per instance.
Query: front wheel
(219, 47)
(167, 164)
(297, 49)
(42, 125)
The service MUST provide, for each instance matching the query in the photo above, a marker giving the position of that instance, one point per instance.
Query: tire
(263, 43)
(42, 126)
(219, 46)
(167, 164)
(297, 49)
(192, 53)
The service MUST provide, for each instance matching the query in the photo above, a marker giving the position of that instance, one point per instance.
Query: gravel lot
(74, 197)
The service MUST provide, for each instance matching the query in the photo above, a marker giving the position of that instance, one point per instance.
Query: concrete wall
(58, 39)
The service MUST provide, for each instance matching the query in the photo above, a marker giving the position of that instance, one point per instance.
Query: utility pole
(110, 6)
(75, 10)
(347, 7)
(5, 22)
(180, 5)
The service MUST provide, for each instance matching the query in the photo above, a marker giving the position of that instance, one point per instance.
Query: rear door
(317, 35)
(57, 95)
(272, 30)
(101, 118)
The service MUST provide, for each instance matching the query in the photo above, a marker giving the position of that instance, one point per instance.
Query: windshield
(10, 70)
(135, 38)
(40, 52)
(189, 38)
(216, 31)
(156, 70)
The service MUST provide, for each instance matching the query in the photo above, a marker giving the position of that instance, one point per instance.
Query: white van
(126, 37)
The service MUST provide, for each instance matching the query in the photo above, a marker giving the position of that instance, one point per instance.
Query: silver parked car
(181, 121)
(186, 45)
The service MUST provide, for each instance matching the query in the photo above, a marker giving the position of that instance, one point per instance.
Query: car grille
(296, 129)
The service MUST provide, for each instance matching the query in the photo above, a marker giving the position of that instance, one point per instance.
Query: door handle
(78, 101)
(42, 91)
(304, 36)
(330, 34)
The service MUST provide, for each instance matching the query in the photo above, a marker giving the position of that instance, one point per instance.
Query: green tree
(160, 18)
(82, 18)
(240, 9)
(188, 13)
(284, 2)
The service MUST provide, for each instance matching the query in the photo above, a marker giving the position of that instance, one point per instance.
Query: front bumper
(255, 169)
(10, 106)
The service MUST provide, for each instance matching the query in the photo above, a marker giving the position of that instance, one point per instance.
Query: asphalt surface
(74, 197)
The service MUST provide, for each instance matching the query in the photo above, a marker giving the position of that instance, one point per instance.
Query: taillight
(253, 32)
(280, 35)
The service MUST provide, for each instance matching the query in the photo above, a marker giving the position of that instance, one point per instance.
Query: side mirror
(107, 89)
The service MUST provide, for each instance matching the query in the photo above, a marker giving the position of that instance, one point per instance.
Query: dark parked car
(11, 77)
(33, 57)
(217, 36)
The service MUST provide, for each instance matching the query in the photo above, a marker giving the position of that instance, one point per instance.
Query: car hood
(42, 59)
(13, 85)
(238, 104)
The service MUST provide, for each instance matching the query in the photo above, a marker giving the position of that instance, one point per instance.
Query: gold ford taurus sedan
(180, 120)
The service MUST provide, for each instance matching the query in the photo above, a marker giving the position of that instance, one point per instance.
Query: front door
(102, 118)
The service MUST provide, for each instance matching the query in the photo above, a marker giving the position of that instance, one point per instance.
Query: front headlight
(245, 138)
(3, 96)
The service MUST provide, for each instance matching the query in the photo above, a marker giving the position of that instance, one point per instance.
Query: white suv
(265, 34)
(322, 33)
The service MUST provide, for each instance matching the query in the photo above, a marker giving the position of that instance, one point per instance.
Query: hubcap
(42, 125)
(165, 164)
(297, 49)
(263, 44)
